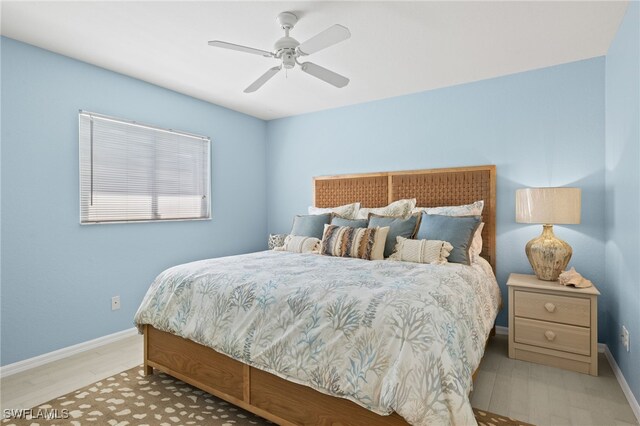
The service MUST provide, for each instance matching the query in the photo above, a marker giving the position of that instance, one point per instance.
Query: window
(130, 172)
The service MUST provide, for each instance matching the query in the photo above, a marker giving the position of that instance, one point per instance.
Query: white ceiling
(396, 47)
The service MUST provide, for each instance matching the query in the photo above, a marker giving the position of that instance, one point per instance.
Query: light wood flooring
(41, 384)
(529, 392)
(548, 396)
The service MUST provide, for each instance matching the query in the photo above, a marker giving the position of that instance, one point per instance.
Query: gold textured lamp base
(548, 254)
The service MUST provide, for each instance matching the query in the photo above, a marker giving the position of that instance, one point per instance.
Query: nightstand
(553, 324)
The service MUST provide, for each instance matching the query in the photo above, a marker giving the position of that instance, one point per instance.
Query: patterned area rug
(129, 399)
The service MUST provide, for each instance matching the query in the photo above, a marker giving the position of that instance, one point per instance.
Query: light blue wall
(543, 127)
(57, 276)
(540, 128)
(623, 194)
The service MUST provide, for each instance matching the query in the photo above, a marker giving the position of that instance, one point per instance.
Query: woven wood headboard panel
(371, 190)
(431, 188)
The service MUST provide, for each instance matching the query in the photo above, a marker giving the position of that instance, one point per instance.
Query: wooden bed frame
(288, 403)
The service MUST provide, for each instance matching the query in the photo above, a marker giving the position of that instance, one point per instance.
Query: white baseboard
(501, 329)
(635, 406)
(43, 359)
(603, 348)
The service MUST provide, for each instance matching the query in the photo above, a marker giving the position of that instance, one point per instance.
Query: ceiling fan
(288, 51)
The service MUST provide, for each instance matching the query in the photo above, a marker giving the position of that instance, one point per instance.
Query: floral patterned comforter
(390, 336)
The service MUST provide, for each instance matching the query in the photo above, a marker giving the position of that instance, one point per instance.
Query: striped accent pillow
(421, 251)
(361, 243)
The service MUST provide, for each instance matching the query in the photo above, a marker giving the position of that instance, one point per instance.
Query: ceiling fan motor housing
(285, 48)
(286, 43)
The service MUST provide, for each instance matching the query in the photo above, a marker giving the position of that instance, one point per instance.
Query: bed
(309, 339)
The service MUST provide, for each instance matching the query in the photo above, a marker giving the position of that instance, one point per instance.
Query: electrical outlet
(115, 303)
(624, 337)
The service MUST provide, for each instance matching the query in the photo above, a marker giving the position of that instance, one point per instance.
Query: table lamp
(548, 254)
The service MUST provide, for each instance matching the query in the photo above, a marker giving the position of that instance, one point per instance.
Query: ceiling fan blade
(225, 45)
(324, 74)
(262, 80)
(329, 37)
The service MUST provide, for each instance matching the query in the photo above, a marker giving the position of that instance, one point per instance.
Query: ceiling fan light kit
(288, 50)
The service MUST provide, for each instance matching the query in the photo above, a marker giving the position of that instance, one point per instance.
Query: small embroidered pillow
(299, 244)
(421, 251)
(276, 240)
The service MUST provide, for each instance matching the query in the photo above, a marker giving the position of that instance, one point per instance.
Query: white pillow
(299, 244)
(348, 211)
(421, 251)
(400, 208)
(476, 244)
(473, 209)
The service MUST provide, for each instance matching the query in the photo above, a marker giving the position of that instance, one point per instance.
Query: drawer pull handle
(550, 307)
(550, 335)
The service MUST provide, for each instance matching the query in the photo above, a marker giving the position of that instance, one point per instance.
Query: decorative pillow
(297, 244)
(352, 223)
(398, 208)
(476, 243)
(276, 240)
(473, 209)
(421, 251)
(361, 243)
(398, 227)
(310, 225)
(348, 211)
(458, 231)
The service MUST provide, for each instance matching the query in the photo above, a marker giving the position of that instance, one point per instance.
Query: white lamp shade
(548, 205)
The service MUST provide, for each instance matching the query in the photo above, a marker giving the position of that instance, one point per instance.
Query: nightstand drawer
(549, 307)
(567, 338)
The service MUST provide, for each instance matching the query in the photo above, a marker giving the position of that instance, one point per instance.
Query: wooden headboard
(430, 188)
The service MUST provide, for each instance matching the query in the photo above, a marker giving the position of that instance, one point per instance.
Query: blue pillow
(351, 223)
(310, 225)
(457, 230)
(398, 227)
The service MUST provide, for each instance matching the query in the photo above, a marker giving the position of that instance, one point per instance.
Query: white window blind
(131, 172)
